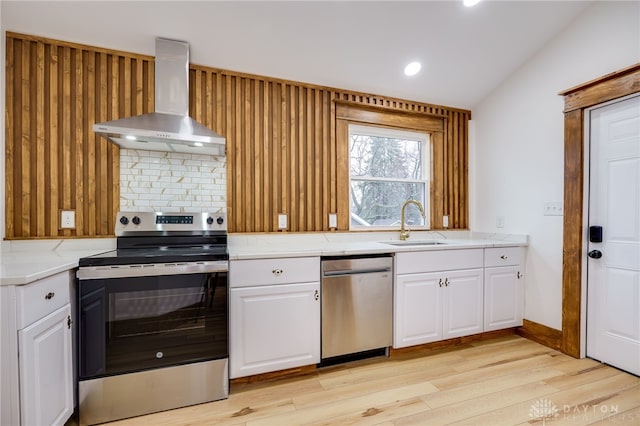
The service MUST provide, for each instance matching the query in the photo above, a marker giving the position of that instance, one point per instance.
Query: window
(387, 167)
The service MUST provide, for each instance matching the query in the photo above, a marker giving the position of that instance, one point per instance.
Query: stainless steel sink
(414, 243)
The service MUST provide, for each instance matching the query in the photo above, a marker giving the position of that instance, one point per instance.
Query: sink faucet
(404, 233)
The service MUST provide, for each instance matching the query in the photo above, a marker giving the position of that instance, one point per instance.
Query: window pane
(378, 203)
(377, 156)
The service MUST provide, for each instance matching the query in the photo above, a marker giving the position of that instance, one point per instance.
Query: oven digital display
(174, 219)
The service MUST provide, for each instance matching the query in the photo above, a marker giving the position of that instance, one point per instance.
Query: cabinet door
(503, 298)
(273, 328)
(46, 376)
(417, 310)
(462, 303)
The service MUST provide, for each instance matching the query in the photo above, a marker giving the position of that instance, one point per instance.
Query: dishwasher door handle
(355, 272)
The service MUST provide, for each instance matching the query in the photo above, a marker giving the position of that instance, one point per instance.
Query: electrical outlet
(282, 221)
(499, 221)
(333, 220)
(553, 208)
(67, 219)
(445, 221)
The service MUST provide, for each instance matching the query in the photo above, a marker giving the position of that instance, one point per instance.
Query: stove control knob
(124, 220)
(209, 220)
(136, 220)
(220, 220)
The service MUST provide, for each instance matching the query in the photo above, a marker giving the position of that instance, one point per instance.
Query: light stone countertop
(22, 262)
(264, 246)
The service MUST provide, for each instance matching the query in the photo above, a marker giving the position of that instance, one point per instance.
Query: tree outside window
(387, 167)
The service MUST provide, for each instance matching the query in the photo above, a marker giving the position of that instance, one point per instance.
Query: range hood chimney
(169, 128)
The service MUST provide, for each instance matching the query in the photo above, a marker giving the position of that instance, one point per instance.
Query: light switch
(282, 221)
(553, 208)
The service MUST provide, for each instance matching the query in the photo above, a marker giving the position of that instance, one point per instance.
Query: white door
(46, 376)
(613, 289)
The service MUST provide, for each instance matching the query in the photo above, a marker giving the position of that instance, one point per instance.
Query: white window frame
(390, 132)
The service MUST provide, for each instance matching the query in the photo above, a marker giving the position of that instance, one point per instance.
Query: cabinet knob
(316, 295)
(277, 272)
(69, 322)
(440, 282)
(446, 282)
(504, 257)
(49, 295)
(520, 275)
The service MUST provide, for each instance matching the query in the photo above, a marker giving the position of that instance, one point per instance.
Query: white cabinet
(36, 335)
(447, 303)
(503, 288)
(274, 315)
(46, 376)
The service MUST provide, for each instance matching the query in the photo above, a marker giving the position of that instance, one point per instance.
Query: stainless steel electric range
(153, 317)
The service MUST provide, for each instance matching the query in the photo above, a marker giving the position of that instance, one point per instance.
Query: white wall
(518, 157)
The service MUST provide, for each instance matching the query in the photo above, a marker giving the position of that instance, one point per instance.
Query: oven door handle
(152, 269)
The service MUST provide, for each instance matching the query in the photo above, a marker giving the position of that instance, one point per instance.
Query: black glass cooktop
(145, 250)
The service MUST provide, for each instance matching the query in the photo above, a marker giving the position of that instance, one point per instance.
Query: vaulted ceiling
(357, 45)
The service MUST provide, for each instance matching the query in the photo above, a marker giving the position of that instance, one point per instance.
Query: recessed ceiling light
(412, 68)
(470, 3)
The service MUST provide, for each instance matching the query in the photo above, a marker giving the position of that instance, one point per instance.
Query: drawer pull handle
(277, 272)
(504, 257)
(49, 295)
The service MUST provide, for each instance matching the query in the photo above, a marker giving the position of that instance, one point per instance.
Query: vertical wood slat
(10, 165)
(40, 138)
(89, 175)
(25, 160)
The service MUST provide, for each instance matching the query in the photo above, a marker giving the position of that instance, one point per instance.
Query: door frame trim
(577, 100)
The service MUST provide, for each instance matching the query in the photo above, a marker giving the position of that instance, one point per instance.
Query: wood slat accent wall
(282, 152)
(283, 155)
(55, 91)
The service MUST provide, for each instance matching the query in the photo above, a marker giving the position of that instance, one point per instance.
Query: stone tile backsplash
(172, 182)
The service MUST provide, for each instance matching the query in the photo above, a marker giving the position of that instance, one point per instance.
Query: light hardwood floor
(504, 381)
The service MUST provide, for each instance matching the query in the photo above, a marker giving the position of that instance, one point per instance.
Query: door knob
(595, 254)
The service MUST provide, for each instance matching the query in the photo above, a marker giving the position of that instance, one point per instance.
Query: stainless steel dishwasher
(357, 301)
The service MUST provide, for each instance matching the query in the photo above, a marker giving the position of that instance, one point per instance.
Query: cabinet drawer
(40, 298)
(503, 256)
(248, 273)
(441, 260)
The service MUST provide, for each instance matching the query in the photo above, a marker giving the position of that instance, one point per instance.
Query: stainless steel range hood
(169, 128)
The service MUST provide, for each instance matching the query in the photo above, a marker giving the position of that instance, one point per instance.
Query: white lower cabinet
(36, 332)
(273, 326)
(46, 376)
(438, 305)
(438, 295)
(503, 288)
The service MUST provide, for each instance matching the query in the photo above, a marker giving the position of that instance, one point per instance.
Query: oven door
(129, 324)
